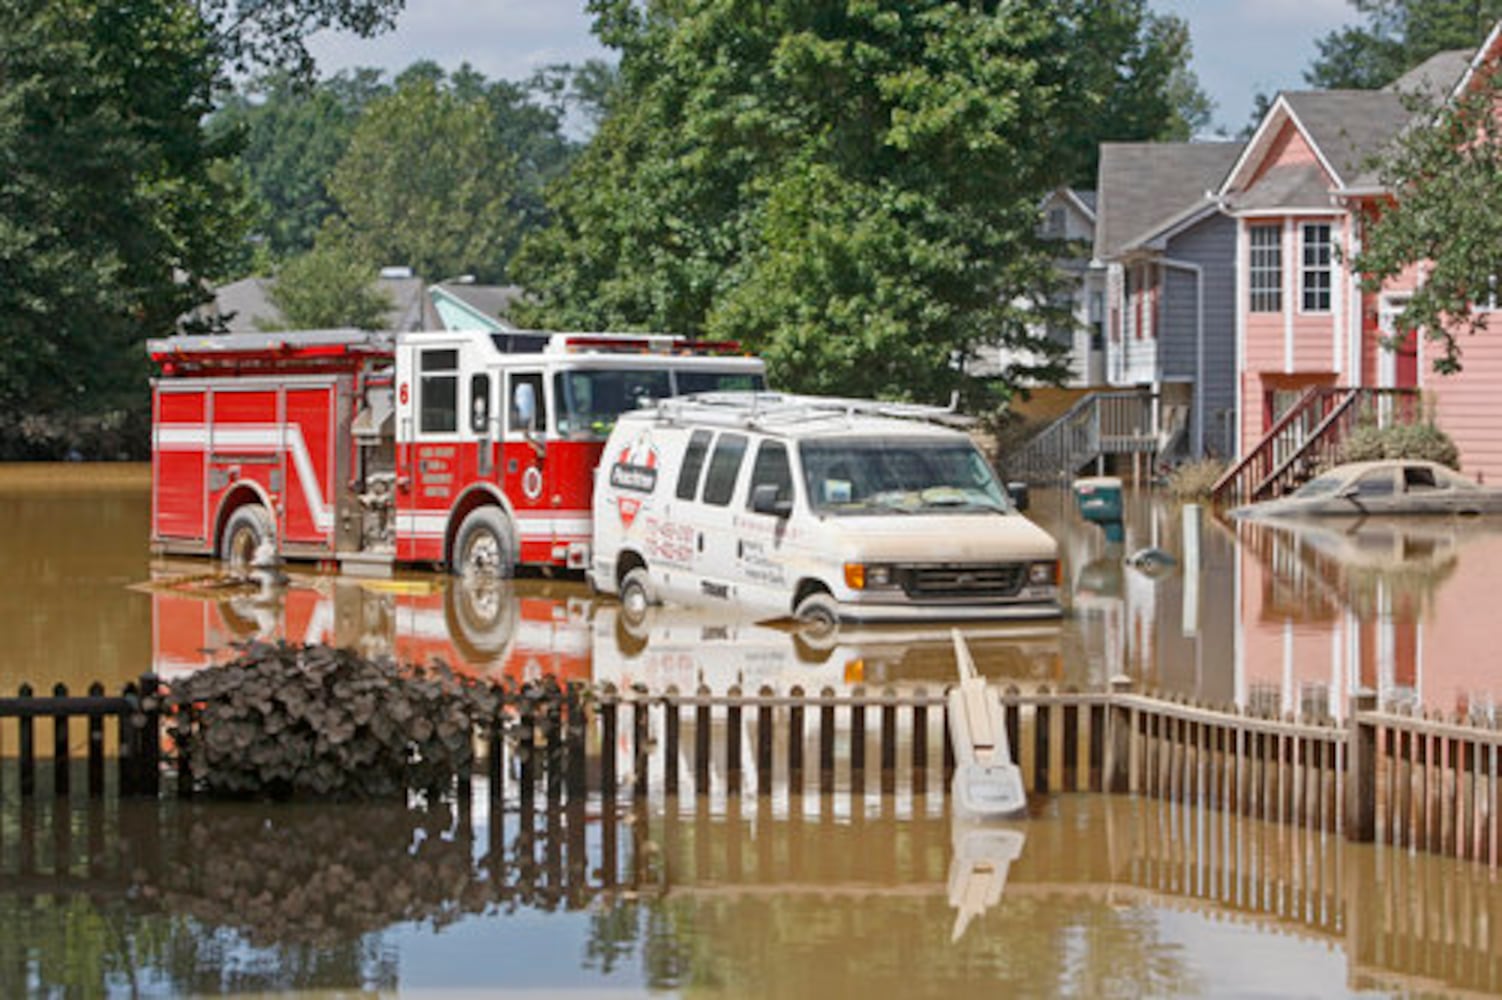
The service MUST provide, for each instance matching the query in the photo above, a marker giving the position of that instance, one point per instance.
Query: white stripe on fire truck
(531, 526)
(254, 437)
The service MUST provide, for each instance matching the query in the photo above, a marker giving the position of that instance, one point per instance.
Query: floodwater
(1092, 895)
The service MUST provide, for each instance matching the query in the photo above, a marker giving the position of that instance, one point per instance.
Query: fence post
(1361, 769)
(1118, 738)
(151, 737)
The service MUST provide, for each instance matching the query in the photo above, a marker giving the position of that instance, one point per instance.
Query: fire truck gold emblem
(532, 482)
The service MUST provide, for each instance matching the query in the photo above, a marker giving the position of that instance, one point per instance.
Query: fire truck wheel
(485, 546)
(247, 529)
(636, 596)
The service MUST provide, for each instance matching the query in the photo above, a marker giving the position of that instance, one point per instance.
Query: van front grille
(963, 580)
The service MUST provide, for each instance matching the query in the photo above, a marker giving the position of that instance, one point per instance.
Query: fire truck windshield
(590, 399)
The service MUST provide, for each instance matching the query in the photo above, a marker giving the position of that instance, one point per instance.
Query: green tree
(109, 204)
(851, 189)
(427, 182)
(293, 137)
(330, 286)
(1395, 36)
(117, 207)
(1446, 216)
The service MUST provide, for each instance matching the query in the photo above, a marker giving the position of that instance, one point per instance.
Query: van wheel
(636, 596)
(248, 529)
(820, 612)
(485, 546)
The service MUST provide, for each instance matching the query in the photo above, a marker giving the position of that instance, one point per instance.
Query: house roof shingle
(1143, 187)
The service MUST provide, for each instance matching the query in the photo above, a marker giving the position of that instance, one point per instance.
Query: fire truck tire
(636, 596)
(246, 530)
(485, 546)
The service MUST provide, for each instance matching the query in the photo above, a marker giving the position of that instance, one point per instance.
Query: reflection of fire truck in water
(490, 629)
(468, 449)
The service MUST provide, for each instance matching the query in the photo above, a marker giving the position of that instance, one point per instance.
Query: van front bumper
(874, 612)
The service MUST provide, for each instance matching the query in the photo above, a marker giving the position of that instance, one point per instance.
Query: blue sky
(1240, 46)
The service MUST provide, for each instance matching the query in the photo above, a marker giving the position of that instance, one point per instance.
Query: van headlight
(869, 576)
(1043, 574)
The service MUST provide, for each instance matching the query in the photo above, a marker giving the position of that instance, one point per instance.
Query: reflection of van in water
(822, 508)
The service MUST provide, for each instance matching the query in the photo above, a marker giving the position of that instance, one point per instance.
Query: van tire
(485, 546)
(636, 596)
(819, 611)
(247, 529)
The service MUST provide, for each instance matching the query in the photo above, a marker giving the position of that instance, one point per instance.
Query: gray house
(1169, 254)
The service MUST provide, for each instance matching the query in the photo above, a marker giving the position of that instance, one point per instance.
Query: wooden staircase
(1307, 438)
(1100, 424)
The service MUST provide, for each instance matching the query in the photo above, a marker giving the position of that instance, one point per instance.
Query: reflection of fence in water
(1406, 922)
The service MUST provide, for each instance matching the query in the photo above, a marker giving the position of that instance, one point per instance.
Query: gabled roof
(241, 304)
(1345, 128)
(1435, 77)
(479, 306)
(1144, 188)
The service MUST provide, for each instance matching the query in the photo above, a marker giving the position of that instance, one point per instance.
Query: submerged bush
(1195, 480)
(1419, 440)
(297, 721)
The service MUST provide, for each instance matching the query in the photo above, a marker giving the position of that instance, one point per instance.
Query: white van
(825, 509)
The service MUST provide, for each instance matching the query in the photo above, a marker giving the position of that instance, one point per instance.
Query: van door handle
(740, 550)
(701, 541)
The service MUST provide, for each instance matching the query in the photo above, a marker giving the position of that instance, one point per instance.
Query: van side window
(724, 465)
(772, 467)
(438, 391)
(693, 464)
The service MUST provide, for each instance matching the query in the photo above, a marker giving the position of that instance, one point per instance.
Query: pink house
(1297, 193)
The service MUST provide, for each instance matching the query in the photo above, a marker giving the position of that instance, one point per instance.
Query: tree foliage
(1445, 218)
(332, 285)
(117, 206)
(109, 197)
(426, 182)
(1395, 36)
(852, 189)
(293, 136)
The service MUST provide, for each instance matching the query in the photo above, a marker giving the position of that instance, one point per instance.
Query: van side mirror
(764, 500)
(1017, 490)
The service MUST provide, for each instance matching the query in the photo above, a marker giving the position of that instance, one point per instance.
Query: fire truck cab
(472, 450)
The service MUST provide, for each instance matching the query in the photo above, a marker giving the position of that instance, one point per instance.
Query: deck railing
(1307, 438)
(1102, 423)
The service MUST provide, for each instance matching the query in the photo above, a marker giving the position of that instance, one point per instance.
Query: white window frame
(1269, 297)
(1308, 269)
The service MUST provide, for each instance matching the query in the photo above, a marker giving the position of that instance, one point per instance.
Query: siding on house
(1210, 243)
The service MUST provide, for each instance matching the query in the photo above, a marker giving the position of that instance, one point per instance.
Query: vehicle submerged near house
(1297, 194)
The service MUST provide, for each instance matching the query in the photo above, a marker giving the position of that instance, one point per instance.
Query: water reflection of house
(1397, 607)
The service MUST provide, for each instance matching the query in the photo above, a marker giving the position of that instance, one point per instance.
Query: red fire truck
(472, 450)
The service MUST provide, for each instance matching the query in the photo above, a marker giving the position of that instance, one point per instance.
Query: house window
(1053, 228)
(1265, 268)
(1133, 315)
(1315, 274)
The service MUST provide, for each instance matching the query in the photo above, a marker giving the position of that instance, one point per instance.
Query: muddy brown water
(1100, 896)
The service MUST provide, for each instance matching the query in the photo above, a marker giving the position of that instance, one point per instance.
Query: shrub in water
(299, 721)
(1421, 440)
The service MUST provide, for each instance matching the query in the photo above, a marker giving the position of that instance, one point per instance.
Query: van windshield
(898, 476)
(590, 399)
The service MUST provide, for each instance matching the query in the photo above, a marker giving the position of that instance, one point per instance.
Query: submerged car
(1384, 487)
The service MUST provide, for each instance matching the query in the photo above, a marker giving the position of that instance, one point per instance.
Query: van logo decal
(634, 469)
